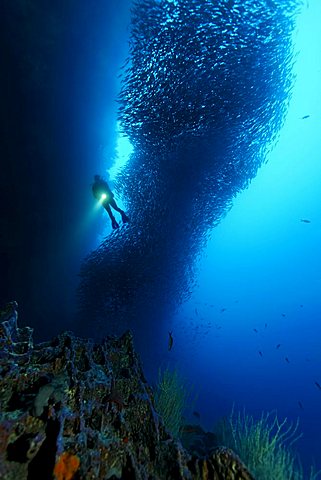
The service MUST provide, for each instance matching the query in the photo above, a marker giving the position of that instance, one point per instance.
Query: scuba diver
(103, 193)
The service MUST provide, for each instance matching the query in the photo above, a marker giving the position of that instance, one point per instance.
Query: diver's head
(97, 178)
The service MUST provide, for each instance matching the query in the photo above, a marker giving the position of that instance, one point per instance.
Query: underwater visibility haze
(205, 117)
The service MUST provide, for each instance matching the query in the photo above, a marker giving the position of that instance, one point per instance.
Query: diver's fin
(124, 218)
(114, 224)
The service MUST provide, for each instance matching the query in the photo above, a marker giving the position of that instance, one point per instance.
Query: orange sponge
(66, 466)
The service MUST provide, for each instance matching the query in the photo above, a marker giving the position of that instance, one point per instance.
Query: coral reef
(75, 409)
(171, 398)
(196, 440)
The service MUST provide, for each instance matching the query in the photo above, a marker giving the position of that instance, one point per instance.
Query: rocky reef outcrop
(75, 409)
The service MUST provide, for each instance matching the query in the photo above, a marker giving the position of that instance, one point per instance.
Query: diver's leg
(124, 217)
(114, 224)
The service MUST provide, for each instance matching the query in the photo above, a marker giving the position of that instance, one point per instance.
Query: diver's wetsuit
(101, 187)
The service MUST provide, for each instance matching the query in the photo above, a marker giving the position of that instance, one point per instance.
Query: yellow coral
(205, 470)
(66, 466)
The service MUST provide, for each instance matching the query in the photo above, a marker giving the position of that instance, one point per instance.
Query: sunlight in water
(123, 151)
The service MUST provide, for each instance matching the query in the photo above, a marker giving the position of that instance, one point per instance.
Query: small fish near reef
(300, 405)
(287, 360)
(305, 220)
(278, 346)
(318, 385)
(170, 341)
(305, 116)
(260, 353)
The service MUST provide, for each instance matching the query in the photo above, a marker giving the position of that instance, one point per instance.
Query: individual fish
(304, 117)
(196, 311)
(255, 330)
(305, 220)
(196, 414)
(318, 385)
(265, 325)
(300, 405)
(283, 314)
(170, 341)
(287, 360)
(260, 353)
(190, 429)
(278, 346)
(223, 310)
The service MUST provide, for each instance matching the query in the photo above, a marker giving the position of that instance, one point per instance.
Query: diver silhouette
(103, 193)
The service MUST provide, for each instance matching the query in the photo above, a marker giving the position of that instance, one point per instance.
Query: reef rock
(71, 408)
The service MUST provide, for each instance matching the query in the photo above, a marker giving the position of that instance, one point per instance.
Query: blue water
(263, 266)
(259, 281)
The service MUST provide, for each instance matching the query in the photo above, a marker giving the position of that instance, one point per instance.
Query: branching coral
(171, 398)
(264, 445)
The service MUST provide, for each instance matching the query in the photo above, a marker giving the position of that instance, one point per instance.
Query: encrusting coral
(73, 409)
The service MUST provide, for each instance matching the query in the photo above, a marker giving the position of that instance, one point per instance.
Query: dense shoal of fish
(204, 94)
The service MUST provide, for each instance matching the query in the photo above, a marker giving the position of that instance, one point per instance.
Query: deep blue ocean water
(263, 265)
(259, 279)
